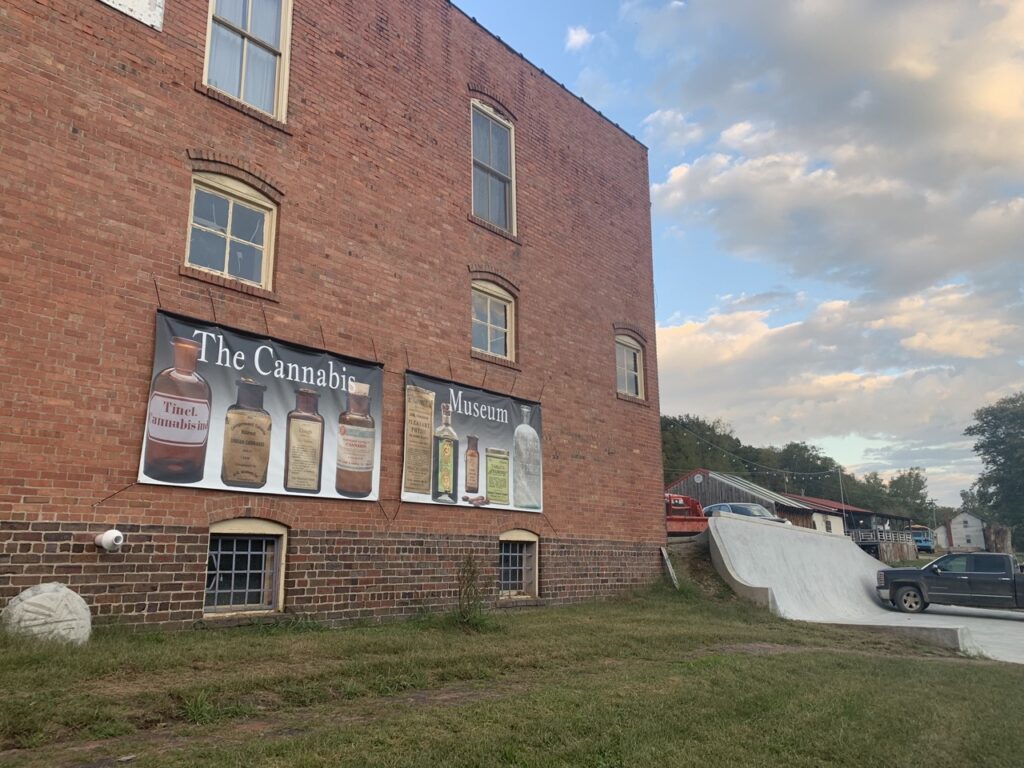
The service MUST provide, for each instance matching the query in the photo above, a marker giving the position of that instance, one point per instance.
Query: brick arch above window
(489, 274)
(483, 94)
(626, 328)
(236, 168)
(255, 507)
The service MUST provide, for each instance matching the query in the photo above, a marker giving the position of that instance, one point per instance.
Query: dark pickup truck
(980, 579)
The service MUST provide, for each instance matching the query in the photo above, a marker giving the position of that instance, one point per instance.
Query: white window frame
(235, 191)
(489, 112)
(531, 564)
(283, 57)
(622, 340)
(249, 526)
(493, 292)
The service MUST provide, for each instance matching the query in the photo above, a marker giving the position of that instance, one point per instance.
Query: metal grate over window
(511, 570)
(241, 573)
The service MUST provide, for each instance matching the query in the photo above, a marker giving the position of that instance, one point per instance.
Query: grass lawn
(660, 678)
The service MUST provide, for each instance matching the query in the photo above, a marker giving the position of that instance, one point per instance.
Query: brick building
(386, 183)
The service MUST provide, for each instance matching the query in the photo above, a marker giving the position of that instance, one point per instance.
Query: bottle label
(305, 439)
(446, 467)
(246, 448)
(355, 448)
(497, 479)
(472, 471)
(178, 420)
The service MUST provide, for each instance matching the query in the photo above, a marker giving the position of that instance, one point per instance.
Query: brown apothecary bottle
(304, 444)
(178, 420)
(246, 438)
(357, 442)
(472, 464)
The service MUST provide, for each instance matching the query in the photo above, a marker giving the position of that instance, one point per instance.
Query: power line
(748, 463)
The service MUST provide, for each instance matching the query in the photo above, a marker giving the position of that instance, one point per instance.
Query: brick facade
(103, 121)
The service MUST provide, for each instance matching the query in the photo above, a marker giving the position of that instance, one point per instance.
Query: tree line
(689, 442)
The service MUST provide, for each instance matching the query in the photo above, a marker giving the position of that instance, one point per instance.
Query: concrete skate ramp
(812, 576)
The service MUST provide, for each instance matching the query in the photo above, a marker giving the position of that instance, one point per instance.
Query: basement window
(517, 564)
(245, 567)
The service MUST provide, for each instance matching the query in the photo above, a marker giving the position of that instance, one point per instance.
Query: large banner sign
(469, 447)
(237, 412)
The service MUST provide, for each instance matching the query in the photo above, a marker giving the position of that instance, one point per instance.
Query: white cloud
(873, 145)
(850, 369)
(671, 128)
(577, 38)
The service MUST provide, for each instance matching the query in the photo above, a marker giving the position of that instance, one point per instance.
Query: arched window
(629, 366)
(231, 230)
(494, 311)
(245, 566)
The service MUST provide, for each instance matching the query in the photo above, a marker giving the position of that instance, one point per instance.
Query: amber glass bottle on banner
(446, 460)
(246, 438)
(178, 421)
(472, 464)
(304, 444)
(357, 443)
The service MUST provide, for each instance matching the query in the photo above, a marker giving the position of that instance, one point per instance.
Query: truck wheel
(909, 600)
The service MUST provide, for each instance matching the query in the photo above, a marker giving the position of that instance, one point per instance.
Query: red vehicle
(684, 516)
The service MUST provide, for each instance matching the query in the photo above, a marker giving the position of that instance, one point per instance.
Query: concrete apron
(808, 575)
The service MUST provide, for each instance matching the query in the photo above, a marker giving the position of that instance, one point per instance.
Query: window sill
(215, 620)
(632, 399)
(504, 362)
(226, 282)
(495, 229)
(245, 109)
(518, 601)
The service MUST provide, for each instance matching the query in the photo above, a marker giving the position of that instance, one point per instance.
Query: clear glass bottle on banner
(527, 481)
(178, 421)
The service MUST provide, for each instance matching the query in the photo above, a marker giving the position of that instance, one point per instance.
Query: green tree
(908, 495)
(689, 442)
(998, 430)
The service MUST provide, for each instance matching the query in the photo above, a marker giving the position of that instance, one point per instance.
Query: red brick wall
(101, 127)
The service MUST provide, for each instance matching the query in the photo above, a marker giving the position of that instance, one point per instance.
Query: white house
(963, 532)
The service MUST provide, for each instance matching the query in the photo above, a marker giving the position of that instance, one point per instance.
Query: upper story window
(247, 53)
(493, 320)
(493, 164)
(629, 366)
(231, 230)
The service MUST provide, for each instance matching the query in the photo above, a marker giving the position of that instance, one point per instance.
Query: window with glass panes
(245, 51)
(492, 169)
(493, 320)
(629, 377)
(230, 234)
(511, 567)
(241, 573)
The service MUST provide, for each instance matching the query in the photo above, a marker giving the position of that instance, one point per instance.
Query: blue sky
(837, 207)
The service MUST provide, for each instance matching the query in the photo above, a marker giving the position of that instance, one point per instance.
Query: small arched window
(629, 366)
(494, 311)
(231, 230)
